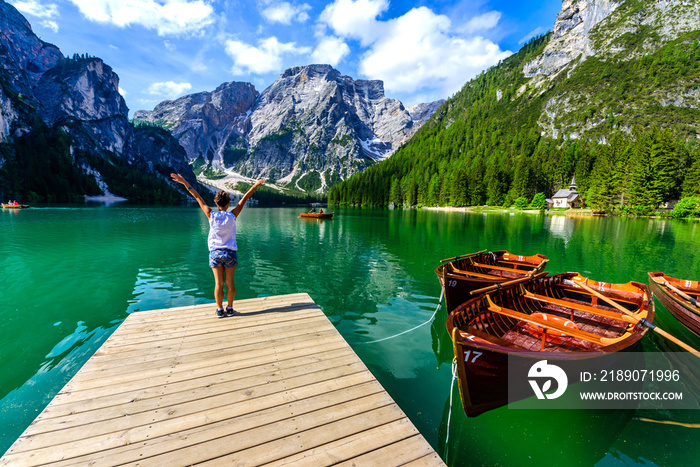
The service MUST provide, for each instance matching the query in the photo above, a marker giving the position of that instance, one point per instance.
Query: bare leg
(230, 288)
(219, 286)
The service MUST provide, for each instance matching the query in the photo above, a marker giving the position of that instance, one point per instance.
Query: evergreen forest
(484, 146)
(39, 167)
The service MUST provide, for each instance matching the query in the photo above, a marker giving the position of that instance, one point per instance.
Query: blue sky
(163, 49)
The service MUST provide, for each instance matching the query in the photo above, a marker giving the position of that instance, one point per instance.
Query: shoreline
(478, 209)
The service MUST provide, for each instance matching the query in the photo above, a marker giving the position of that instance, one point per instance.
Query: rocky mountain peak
(41, 91)
(309, 129)
(207, 123)
(21, 46)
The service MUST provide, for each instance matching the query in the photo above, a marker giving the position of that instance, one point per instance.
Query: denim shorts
(223, 257)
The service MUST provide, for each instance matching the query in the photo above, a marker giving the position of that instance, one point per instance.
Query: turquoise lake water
(73, 274)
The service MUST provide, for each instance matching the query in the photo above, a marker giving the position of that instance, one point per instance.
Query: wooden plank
(216, 430)
(117, 374)
(70, 406)
(275, 384)
(253, 303)
(402, 452)
(218, 342)
(200, 371)
(606, 313)
(360, 443)
(247, 358)
(174, 425)
(375, 405)
(146, 413)
(429, 460)
(135, 321)
(320, 433)
(204, 325)
(500, 268)
(173, 394)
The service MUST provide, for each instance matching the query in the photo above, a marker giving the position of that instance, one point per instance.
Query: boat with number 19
(460, 275)
(680, 297)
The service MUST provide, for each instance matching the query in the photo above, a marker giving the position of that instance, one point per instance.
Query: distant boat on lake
(317, 215)
(15, 206)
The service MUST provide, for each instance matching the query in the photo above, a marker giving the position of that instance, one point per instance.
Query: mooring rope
(669, 422)
(449, 415)
(412, 329)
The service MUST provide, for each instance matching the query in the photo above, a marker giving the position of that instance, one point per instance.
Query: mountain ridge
(312, 123)
(64, 128)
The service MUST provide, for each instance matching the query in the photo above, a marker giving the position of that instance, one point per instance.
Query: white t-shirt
(222, 230)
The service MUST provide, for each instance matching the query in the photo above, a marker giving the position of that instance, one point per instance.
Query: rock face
(313, 119)
(207, 123)
(570, 38)
(422, 112)
(600, 39)
(312, 123)
(79, 95)
(23, 59)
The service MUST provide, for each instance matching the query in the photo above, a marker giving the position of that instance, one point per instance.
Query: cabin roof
(570, 193)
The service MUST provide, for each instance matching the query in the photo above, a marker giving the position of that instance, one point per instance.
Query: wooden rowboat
(530, 321)
(15, 206)
(677, 296)
(316, 215)
(460, 275)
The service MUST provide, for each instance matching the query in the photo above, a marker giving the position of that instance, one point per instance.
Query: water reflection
(78, 273)
(165, 287)
(560, 227)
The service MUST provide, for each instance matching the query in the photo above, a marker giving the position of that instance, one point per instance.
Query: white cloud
(535, 32)
(168, 17)
(481, 23)
(355, 18)
(52, 25)
(417, 52)
(265, 58)
(169, 45)
(35, 8)
(330, 50)
(285, 12)
(122, 91)
(169, 89)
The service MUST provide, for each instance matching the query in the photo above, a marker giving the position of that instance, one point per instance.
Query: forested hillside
(485, 145)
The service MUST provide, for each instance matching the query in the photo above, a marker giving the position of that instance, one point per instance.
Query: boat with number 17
(550, 317)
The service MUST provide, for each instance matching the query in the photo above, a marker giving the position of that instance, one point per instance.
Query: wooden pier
(275, 385)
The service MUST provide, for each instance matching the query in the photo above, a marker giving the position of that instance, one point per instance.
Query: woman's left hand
(179, 178)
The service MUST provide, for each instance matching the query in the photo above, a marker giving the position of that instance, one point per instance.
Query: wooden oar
(679, 292)
(463, 256)
(491, 288)
(641, 321)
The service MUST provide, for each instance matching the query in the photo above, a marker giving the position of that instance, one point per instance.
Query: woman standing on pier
(223, 256)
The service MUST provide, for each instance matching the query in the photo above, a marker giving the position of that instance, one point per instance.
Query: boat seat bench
(578, 334)
(582, 308)
(500, 268)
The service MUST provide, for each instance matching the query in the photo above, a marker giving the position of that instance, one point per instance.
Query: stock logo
(545, 372)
